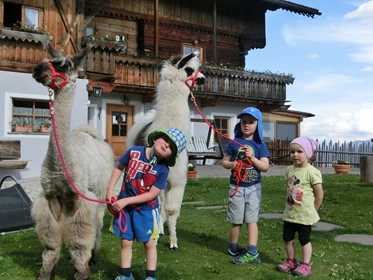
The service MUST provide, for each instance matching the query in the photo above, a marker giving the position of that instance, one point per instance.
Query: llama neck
(172, 107)
(63, 103)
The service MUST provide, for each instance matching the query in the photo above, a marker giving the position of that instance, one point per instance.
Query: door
(119, 120)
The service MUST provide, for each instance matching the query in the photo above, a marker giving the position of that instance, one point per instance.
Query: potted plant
(20, 126)
(192, 172)
(341, 166)
(45, 127)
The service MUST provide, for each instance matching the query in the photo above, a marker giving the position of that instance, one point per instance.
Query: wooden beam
(135, 89)
(92, 15)
(156, 24)
(16, 66)
(211, 102)
(107, 87)
(201, 120)
(68, 35)
(66, 24)
(214, 32)
(147, 98)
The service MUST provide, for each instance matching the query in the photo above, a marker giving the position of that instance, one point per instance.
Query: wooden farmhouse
(130, 40)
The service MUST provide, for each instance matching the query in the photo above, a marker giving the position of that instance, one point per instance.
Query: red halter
(193, 79)
(54, 76)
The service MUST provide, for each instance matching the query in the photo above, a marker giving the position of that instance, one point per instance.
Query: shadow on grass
(212, 243)
(366, 185)
(25, 251)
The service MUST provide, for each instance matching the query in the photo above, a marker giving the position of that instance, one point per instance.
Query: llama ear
(184, 60)
(48, 46)
(78, 58)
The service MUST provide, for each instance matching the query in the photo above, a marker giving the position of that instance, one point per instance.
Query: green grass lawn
(203, 239)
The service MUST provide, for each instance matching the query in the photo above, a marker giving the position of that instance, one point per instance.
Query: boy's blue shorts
(142, 225)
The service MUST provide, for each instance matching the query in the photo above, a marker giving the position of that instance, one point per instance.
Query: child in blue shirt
(247, 156)
(146, 172)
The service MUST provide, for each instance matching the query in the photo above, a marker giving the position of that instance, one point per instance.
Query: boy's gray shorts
(244, 206)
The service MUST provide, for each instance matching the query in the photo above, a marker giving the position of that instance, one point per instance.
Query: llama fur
(171, 109)
(61, 216)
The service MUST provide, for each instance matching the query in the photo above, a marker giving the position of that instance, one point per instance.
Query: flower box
(45, 129)
(21, 128)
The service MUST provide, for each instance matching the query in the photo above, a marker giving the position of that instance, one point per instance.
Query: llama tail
(136, 135)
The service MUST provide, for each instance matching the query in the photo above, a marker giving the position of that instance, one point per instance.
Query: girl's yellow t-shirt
(300, 198)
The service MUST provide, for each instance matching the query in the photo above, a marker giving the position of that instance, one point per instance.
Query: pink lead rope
(240, 164)
(120, 213)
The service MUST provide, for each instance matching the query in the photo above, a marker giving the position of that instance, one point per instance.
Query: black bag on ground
(15, 206)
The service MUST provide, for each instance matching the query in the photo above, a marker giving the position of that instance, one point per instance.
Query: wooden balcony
(141, 75)
(243, 86)
(21, 51)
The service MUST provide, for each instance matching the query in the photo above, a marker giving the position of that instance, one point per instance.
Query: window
(286, 131)
(27, 16)
(268, 131)
(188, 49)
(119, 124)
(222, 125)
(89, 30)
(31, 114)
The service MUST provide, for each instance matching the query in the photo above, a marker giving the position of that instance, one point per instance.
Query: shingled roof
(274, 5)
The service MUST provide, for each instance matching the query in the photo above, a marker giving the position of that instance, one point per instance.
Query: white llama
(171, 109)
(60, 214)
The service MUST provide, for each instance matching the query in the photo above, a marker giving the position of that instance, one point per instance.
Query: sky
(331, 58)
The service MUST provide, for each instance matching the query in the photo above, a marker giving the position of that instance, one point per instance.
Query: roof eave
(292, 7)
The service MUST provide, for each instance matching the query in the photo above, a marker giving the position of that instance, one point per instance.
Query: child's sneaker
(246, 258)
(287, 266)
(303, 270)
(122, 277)
(239, 250)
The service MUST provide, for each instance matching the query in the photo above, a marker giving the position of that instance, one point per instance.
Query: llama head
(183, 69)
(60, 70)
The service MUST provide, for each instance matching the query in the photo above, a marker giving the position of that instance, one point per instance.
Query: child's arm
(319, 195)
(227, 163)
(115, 175)
(144, 197)
(261, 164)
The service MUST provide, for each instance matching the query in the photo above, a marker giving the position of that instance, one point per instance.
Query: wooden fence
(327, 152)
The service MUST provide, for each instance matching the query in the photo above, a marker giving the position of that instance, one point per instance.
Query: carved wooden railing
(243, 84)
(144, 72)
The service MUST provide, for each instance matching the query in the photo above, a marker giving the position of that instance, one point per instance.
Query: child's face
(162, 147)
(298, 155)
(248, 126)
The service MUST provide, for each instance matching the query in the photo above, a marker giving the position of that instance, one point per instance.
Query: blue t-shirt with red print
(140, 175)
(237, 152)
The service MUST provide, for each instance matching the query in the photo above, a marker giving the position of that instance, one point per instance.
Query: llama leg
(100, 223)
(80, 235)
(163, 213)
(174, 198)
(49, 228)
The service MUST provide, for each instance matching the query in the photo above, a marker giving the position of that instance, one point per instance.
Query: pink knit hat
(309, 145)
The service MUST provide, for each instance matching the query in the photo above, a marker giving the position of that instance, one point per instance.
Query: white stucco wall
(33, 146)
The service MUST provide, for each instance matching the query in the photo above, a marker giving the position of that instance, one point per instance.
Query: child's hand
(109, 195)
(119, 204)
(248, 152)
(234, 165)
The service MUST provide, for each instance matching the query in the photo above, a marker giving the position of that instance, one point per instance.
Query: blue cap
(252, 111)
